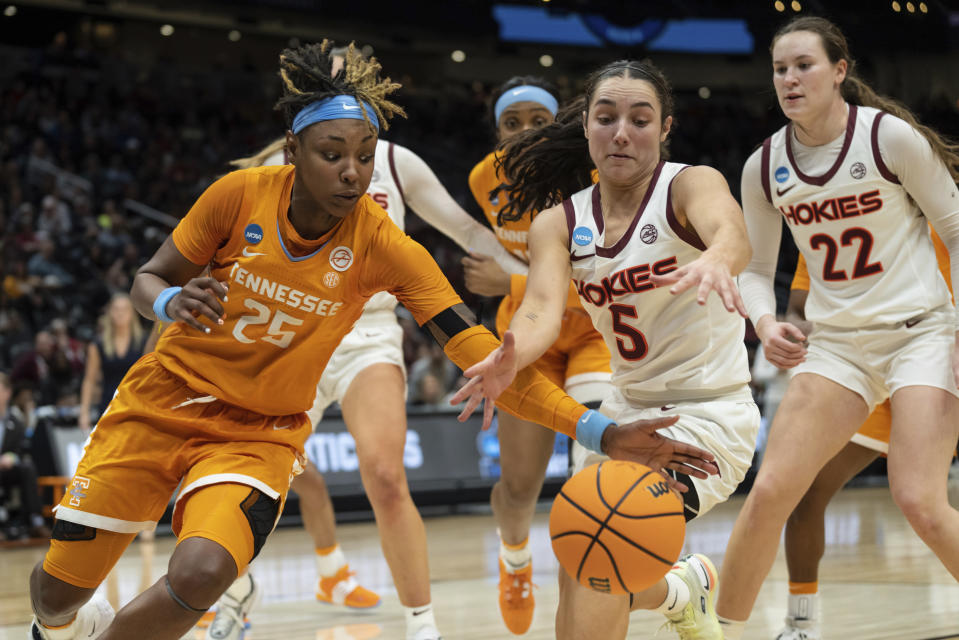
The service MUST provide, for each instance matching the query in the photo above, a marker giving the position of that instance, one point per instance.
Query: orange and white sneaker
(342, 588)
(516, 601)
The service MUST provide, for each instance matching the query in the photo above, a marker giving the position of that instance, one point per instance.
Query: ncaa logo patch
(341, 258)
(858, 171)
(331, 279)
(253, 233)
(582, 236)
(648, 234)
(782, 174)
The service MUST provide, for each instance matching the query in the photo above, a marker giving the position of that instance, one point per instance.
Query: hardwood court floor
(879, 582)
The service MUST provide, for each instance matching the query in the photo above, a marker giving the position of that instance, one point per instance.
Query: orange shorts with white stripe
(874, 432)
(158, 434)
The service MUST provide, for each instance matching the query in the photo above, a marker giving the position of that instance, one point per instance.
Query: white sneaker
(92, 620)
(698, 619)
(800, 630)
(232, 608)
(426, 633)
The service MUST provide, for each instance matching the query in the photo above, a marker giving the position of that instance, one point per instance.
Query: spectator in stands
(16, 467)
(54, 217)
(44, 265)
(120, 343)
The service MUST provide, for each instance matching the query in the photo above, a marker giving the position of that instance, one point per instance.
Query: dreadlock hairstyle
(855, 91)
(307, 77)
(547, 165)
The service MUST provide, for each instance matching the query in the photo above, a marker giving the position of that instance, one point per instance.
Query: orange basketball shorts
(579, 356)
(158, 434)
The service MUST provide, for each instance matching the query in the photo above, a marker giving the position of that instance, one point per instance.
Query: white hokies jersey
(386, 191)
(664, 348)
(870, 257)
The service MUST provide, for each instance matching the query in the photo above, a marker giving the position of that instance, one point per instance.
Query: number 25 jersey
(665, 347)
(285, 314)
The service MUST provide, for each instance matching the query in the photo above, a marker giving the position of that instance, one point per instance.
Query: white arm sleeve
(926, 179)
(764, 225)
(425, 194)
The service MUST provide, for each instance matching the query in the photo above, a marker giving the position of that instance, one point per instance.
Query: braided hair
(307, 77)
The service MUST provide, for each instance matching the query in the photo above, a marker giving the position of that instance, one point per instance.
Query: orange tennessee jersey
(285, 315)
(512, 234)
(801, 277)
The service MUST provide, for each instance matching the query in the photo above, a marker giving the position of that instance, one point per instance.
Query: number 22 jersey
(664, 347)
(284, 313)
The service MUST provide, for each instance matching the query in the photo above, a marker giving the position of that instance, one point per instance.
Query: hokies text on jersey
(293, 298)
(624, 282)
(806, 213)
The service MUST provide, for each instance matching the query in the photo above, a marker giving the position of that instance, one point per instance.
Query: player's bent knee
(200, 571)
(52, 598)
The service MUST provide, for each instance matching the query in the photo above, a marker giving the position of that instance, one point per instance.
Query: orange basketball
(616, 527)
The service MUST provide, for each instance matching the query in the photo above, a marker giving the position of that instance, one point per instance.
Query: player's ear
(292, 146)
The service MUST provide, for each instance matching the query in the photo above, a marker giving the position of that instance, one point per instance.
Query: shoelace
(519, 587)
(227, 615)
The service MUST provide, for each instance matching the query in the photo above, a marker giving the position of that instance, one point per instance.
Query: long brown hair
(855, 91)
(108, 331)
(258, 158)
(547, 165)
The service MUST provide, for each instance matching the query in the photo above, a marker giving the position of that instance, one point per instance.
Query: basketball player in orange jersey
(577, 362)
(856, 179)
(219, 407)
(805, 529)
(370, 358)
(646, 248)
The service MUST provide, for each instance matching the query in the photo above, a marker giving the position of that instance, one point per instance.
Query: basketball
(616, 527)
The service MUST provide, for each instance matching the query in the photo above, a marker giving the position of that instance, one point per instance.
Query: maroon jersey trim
(846, 143)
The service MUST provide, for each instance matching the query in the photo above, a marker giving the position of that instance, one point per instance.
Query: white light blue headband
(335, 108)
(525, 93)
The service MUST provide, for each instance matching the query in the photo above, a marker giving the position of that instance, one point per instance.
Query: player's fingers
(466, 390)
(673, 483)
(706, 285)
(183, 314)
(668, 278)
(470, 407)
(488, 413)
(687, 470)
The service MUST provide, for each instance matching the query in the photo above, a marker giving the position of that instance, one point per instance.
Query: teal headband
(335, 108)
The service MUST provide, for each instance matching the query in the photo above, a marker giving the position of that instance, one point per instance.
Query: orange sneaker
(342, 588)
(516, 601)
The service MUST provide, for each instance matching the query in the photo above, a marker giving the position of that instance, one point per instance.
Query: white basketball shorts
(878, 360)
(376, 338)
(726, 427)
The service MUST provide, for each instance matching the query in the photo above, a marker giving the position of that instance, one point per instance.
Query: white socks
(329, 560)
(516, 557)
(419, 618)
(732, 629)
(677, 597)
(804, 606)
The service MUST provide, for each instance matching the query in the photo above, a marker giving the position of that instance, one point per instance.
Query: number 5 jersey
(665, 347)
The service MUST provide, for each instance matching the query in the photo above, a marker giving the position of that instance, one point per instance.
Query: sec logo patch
(331, 279)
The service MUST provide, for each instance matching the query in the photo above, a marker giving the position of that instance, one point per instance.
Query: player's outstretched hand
(488, 379)
(706, 274)
(639, 442)
(199, 297)
(783, 342)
